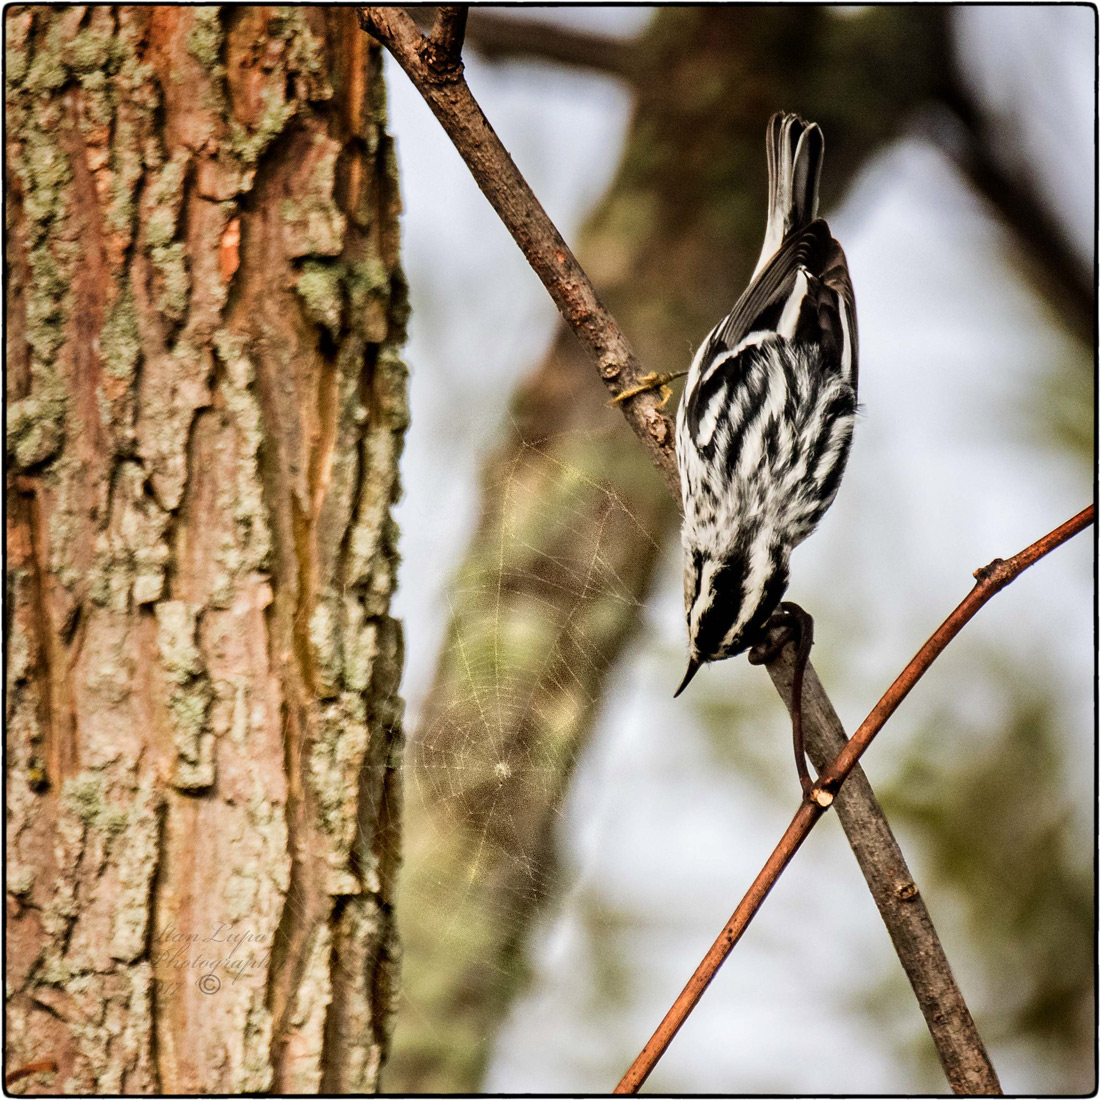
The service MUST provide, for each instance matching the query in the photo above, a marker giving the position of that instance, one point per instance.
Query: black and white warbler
(765, 420)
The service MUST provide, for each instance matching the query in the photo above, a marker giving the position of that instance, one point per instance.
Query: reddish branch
(990, 580)
(44, 1065)
(959, 1046)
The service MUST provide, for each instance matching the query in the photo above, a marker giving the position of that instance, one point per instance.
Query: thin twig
(450, 100)
(804, 820)
(990, 580)
(43, 1065)
(959, 1047)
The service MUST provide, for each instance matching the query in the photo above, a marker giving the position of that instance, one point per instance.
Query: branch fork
(442, 51)
(439, 53)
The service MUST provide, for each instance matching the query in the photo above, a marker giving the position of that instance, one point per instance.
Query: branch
(500, 37)
(1069, 286)
(961, 1051)
(443, 50)
(449, 97)
(43, 1065)
(503, 38)
(990, 580)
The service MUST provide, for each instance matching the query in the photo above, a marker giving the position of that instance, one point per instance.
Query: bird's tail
(796, 149)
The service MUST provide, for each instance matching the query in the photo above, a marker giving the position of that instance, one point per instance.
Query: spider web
(550, 591)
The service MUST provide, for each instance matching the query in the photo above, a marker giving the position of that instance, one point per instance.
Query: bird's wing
(807, 249)
(837, 279)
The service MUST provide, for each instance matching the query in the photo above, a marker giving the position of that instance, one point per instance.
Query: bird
(764, 424)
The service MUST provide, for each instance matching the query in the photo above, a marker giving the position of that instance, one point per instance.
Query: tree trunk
(573, 518)
(206, 409)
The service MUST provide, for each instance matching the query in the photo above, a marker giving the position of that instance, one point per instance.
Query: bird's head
(729, 599)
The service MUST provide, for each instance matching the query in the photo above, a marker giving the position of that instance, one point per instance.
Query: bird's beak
(693, 668)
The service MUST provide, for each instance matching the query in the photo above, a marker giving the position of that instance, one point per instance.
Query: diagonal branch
(990, 580)
(1018, 198)
(958, 1044)
(449, 97)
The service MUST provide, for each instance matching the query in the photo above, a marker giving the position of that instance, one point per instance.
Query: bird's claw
(781, 628)
(647, 383)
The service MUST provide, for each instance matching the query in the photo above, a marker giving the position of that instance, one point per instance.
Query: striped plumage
(765, 421)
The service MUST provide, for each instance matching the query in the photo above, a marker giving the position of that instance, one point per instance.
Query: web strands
(551, 589)
(541, 607)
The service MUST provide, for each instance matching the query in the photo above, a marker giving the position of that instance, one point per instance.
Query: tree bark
(573, 520)
(206, 409)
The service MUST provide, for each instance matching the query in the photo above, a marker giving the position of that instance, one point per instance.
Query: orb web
(551, 588)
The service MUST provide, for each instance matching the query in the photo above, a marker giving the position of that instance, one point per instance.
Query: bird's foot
(781, 628)
(647, 383)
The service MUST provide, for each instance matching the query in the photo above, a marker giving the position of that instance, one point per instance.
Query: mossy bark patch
(193, 440)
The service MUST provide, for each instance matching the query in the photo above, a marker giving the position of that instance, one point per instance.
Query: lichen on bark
(192, 451)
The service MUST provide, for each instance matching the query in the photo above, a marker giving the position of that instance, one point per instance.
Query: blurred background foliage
(573, 839)
(1010, 861)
